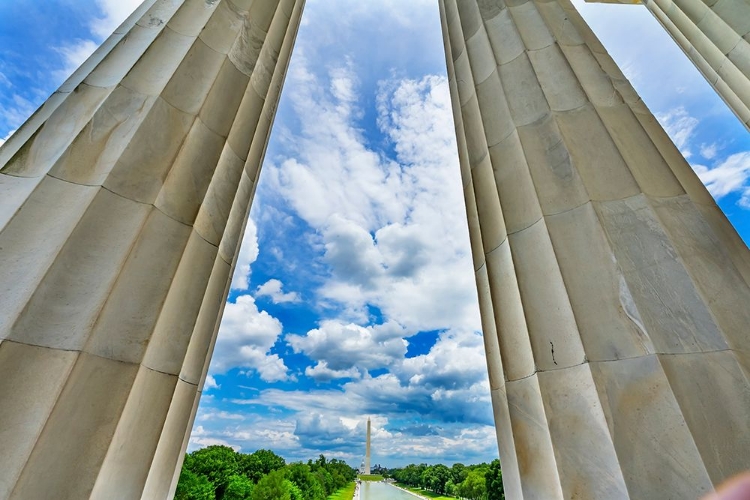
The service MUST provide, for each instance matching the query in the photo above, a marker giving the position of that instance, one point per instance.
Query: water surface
(383, 491)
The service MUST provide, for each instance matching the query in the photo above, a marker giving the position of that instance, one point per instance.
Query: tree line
(220, 473)
(475, 482)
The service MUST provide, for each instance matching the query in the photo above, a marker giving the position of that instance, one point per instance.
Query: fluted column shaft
(715, 35)
(122, 204)
(613, 291)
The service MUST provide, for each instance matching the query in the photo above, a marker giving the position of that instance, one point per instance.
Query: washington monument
(367, 450)
(613, 291)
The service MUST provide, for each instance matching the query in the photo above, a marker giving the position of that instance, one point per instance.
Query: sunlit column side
(613, 291)
(123, 204)
(715, 35)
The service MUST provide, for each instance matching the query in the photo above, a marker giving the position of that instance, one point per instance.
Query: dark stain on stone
(553, 352)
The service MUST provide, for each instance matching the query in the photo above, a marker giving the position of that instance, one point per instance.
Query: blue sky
(354, 294)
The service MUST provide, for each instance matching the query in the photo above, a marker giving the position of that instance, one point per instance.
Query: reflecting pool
(383, 491)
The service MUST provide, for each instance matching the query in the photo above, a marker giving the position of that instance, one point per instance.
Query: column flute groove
(608, 285)
(125, 212)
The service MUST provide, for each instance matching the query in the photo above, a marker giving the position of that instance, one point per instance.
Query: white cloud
(219, 415)
(251, 433)
(728, 176)
(680, 126)
(709, 151)
(343, 83)
(7, 136)
(273, 289)
(448, 383)
(74, 55)
(321, 372)
(113, 13)
(394, 232)
(435, 406)
(342, 347)
(246, 336)
(455, 361)
(16, 111)
(210, 383)
(333, 172)
(200, 439)
(248, 254)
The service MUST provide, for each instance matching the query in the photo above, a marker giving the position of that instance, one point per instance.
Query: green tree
(238, 488)
(258, 464)
(473, 487)
(459, 473)
(306, 481)
(450, 488)
(272, 486)
(435, 478)
(192, 486)
(326, 479)
(494, 481)
(217, 463)
(294, 492)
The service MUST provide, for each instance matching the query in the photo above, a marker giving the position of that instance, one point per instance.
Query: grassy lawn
(371, 477)
(345, 493)
(425, 493)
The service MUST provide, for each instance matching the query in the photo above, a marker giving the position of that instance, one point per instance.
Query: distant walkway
(356, 491)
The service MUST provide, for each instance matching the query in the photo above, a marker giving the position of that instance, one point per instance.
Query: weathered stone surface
(31, 379)
(618, 272)
(111, 298)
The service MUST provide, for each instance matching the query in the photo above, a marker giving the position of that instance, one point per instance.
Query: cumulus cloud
(273, 290)
(458, 421)
(112, 14)
(248, 254)
(728, 176)
(245, 338)
(322, 373)
(342, 347)
(709, 151)
(393, 229)
(455, 361)
(680, 126)
(220, 415)
(73, 56)
(210, 383)
(249, 434)
(448, 384)
(200, 438)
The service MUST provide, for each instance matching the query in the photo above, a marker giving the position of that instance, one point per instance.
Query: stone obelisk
(367, 449)
(612, 289)
(122, 203)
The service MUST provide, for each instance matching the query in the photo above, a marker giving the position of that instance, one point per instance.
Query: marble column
(715, 35)
(613, 292)
(122, 204)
